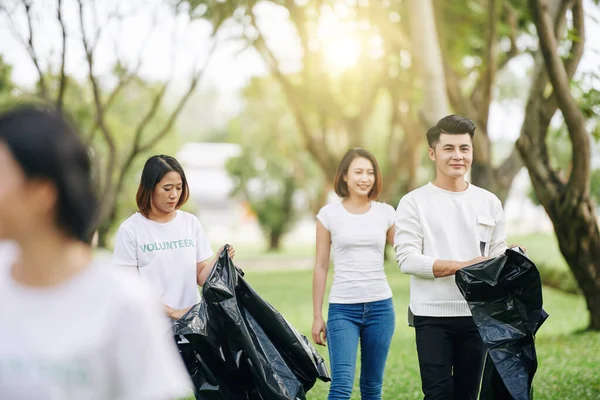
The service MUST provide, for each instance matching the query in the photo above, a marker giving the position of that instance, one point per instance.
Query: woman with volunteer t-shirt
(69, 329)
(360, 303)
(167, 246)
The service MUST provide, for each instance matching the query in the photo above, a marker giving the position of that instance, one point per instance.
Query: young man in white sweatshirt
(440, 228)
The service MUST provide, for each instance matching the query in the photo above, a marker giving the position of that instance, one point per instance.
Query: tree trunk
(575, 225)
(568, 204)
(428, 61)
(476, 104)
(499, 190)
(105, 227)
(482, 174)
(579, 242)
(103, 235)
(496, 180)
(275, 241)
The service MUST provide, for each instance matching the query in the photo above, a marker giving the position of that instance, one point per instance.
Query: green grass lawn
(569, 362)
(569, 359)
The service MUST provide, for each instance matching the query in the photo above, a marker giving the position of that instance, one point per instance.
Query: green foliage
(268, 185)
(349, 77)
(595, 186)
(586, 89)
(119, 115)
(6, 84)
(463, 26)
(559, 149)
(510, 86)
(559, 144)
(533, 196)
(122, 118)
(271, 174)
(215, 11)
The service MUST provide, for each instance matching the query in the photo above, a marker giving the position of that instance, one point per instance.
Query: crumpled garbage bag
(505, 298)
(240, 347)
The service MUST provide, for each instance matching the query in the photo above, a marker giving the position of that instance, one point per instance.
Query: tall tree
(566, 199)
(334, 106)
(471, 44)
(269, 191)
(114, 157)
(271, 174)
(429, 61)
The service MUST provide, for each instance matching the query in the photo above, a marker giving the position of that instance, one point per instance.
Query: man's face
(453, 155)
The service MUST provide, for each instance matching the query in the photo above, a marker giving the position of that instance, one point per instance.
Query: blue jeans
(373, 324)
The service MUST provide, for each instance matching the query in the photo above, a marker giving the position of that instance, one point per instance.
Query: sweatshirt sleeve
(408, 241)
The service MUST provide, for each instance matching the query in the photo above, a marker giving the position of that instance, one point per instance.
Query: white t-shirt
(358, 244)
(165, 254)
(433, 223)
(98, 336)
(7, 251)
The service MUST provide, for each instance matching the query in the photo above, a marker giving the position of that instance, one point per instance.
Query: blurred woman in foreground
(70, 329)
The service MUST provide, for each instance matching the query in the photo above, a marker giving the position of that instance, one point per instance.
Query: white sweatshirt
(432, 224)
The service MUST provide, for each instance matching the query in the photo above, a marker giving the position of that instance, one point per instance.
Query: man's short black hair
(451, 124)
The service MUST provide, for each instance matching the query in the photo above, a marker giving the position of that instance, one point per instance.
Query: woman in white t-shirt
(166, 245)
(360, 302)
(70, 329)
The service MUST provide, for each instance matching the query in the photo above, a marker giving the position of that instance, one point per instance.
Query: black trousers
(451, 356)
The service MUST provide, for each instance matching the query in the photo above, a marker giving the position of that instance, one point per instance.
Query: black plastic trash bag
(214, 376)
(240, 347)
(505, 298)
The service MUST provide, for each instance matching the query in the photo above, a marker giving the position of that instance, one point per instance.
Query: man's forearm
(443, 268)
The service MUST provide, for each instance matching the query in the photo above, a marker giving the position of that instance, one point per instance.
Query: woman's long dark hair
(46, 147)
